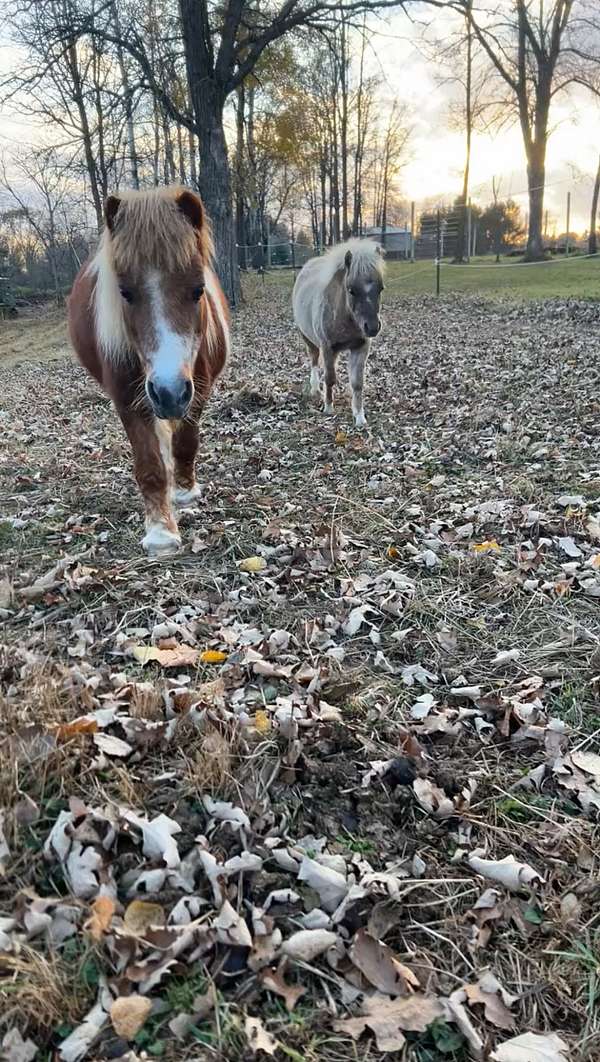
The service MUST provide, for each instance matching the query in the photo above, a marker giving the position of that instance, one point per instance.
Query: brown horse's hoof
(159, 541)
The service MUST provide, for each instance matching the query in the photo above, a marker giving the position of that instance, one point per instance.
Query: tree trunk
(169, 157)
(156, 150)
(132, 159)
(193, 167)
(536, 178)
(214, 182)
(214, 178)
(323, 183)
(593, 237)
(464, 199)
(180, 154)
(86, 135)
(239, 177)
(344, 63)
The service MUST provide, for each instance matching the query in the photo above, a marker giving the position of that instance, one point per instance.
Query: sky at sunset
(434, 169)
(436, 153)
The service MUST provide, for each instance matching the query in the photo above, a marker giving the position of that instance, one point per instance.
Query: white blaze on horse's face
(169, 361)
(363, 295)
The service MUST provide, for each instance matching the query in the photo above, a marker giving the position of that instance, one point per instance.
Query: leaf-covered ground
(347, 805)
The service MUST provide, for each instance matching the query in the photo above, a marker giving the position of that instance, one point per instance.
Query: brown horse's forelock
(149, 232)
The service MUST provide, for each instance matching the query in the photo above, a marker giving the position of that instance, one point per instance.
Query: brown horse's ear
(348, 260)
(111, 208)
(190, 204)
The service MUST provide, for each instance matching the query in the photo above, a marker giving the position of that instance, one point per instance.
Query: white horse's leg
(356, 361)
(315, 383)
(330, 377)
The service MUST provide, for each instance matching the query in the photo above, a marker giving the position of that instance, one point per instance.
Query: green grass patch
(557, 278)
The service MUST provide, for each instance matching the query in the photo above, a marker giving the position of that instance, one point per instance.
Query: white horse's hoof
(186, 497)
(328, 408)
(360, 420)
(159, 541)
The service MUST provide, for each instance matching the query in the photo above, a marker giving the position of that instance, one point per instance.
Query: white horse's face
(363, 297)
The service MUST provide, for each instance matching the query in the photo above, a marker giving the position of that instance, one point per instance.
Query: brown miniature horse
(149, 321)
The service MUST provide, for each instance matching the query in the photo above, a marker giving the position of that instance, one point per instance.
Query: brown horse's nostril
(186, 392)
(170, 401)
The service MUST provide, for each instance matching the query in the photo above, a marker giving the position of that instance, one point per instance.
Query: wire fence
(444, 253)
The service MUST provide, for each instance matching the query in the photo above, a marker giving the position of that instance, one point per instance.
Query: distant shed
(396, 241)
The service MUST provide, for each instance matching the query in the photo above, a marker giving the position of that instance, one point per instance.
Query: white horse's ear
(111, 208)
(348, 260)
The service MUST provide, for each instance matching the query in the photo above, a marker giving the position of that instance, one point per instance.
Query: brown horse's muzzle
(170, 401)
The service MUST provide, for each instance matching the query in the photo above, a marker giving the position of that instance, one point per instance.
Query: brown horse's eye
(352, 291)
(126, 294)
(197, 294)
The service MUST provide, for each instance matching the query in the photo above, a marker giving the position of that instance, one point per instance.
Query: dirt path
(373, 677)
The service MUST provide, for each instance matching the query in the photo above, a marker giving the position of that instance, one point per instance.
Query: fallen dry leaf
(111, 745)
(128, 1014)
(140, 916)
(306, 944)
(182, 656)
(532, 1047)
(213, 656)
(262, 721)
(79, 726)
(587, 761)
(275, 982)
(258, 1037)
(380, 966)
(4, 849)
(489, 992)
(328, 883)
(252, 564)
(101, 913)
(15, 1049)
(78, 1043)
(508, 872)
(488, 546)
(386, 1017)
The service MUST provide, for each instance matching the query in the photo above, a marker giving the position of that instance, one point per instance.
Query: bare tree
(537, 50)
(593, 236)
(38, 184)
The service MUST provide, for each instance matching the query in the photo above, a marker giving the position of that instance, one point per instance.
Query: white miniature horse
(336, 307)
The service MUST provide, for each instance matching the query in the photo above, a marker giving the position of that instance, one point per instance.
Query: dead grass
(449, 382)
(44, 991)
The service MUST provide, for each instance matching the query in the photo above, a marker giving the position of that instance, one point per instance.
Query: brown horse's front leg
(151, 441)
(185, 448)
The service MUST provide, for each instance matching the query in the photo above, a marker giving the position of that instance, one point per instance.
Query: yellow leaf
(485, 547)
(596, 561)
(341, 438)
(182, 656)
(141, 915)
(262, 722)
(128, 1014)
(392, 552)
(213, 656)
(252, 564)
(102, 910)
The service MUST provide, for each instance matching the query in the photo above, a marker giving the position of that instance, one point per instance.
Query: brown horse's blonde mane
(149, 229)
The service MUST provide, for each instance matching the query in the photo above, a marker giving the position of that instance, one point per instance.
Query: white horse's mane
(367, 257)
